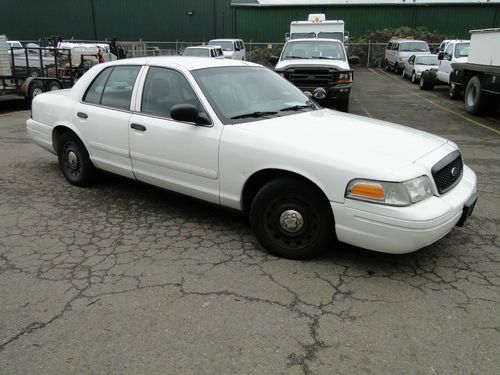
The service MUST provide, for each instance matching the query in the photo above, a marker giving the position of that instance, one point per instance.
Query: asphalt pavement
(125, 278)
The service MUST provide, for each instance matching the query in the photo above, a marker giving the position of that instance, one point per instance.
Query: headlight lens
(390, 193)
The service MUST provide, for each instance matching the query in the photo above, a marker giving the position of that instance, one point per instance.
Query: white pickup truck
(456, 51)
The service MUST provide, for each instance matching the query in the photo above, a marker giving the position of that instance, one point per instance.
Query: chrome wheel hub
(291, 221)
(72, 160)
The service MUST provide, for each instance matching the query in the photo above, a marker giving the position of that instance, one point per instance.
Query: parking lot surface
(125, 278)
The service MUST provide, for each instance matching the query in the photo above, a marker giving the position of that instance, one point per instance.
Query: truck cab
(320, 67)
(456, 51)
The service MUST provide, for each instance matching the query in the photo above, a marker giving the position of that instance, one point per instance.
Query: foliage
(384, 35)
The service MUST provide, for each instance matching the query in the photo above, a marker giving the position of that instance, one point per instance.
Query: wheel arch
(259, 178)
(62, 128)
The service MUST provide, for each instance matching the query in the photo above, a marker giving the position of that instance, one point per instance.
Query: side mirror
(237, 49)
(308, 94)
(354, 60)
(188, 113)
(440, 56)
(274, 60)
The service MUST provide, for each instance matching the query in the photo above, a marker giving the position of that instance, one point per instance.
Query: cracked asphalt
(125, 278)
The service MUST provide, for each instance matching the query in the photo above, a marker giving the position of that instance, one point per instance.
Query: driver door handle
(82, 115)
(139, 127)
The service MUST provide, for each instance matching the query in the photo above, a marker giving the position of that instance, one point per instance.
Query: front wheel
(290, 219)
(427, 80)
(476, 100)
(74, 160)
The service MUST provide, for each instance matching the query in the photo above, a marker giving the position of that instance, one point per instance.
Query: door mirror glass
(440, 55)
(188, 113)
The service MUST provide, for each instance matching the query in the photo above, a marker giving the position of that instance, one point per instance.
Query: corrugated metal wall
(162, 20)
(168, 20)
(269, 24)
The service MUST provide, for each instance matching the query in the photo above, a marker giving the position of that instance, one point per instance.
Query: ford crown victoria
(238, 135)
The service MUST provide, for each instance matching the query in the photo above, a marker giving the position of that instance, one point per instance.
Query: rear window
(462, 50)
(413, 47)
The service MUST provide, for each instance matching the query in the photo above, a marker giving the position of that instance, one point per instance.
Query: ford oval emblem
(455, 172)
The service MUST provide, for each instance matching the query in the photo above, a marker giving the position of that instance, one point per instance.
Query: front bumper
(340, 91)
(400, 230)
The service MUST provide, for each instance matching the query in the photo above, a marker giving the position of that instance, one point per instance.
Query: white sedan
(238, 135)
(417, 64)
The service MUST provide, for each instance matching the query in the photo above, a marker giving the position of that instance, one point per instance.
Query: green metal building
(251, 20)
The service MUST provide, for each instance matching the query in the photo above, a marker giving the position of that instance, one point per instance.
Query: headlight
(345, 78)
(390, 193)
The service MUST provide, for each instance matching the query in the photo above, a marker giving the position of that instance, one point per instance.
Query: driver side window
(165, 88)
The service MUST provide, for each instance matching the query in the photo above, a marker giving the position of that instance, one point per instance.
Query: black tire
(52, 86)
(477, 102)
(343, 105)
(427, 80)
(396, 68)
(454, 92)
(413, 77)
(281, 199)
(35, 88)
(74, 160)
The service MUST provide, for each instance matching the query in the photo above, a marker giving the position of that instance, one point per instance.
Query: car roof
(314, 40)
(400, 40)
(224, 40)
(186, 62)
(202, 47)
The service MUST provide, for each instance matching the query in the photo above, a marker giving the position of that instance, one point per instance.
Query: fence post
(251, 56)
(177, 46)
(369, 51)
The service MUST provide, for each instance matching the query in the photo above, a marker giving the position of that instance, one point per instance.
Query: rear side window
(113, 87)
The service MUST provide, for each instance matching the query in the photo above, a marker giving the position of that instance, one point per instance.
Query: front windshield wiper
(325, 58)
(296, 57)
(298, 107)
(254, 115)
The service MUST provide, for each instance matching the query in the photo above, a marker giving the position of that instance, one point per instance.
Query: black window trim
(139, 112)
(112, 67)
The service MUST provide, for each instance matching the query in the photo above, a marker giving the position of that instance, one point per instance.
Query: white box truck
(317, 26)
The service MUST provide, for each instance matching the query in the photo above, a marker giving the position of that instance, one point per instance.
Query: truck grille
(312, 77)
(448, 171)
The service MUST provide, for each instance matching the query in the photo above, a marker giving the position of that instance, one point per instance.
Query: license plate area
(467, 210)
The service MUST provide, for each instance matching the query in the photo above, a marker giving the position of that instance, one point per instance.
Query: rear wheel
(454, 92)
(52, 86)
(291, 219)
(476, 101)
(74, 160)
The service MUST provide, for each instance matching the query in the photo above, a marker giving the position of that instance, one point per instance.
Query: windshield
(462, 50)
(332, 35)
(426, 60)
(225, 45)
(310, 35)
(413, 47)
(242, 94)
(198, 52)
(314, 50)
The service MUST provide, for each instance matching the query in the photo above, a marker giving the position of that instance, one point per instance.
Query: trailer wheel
(35, 88)
(52, 86)
(476, 101)
(427, 81)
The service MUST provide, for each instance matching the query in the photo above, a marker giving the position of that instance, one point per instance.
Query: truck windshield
(332, 35)
(331, 50)
(426, 60)
(462, 50)
(413, 47)
(303, 36)
(244, 93)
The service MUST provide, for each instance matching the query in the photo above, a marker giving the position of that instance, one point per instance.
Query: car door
(175, 155)
(444, 70)
(410, 65)
(103, 116)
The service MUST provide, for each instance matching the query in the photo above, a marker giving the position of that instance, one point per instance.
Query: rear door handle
(82, 115)
(139, 127)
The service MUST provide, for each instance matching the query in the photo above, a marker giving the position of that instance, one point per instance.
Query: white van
(400, 50)
(232, 48)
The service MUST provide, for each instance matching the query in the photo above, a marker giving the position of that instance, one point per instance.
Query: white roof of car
(314, 40)
(188, 62)
(400, 40)
(202, 47)
(224, 40)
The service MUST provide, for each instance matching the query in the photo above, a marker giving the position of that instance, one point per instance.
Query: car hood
(343, 139)
(307, 63)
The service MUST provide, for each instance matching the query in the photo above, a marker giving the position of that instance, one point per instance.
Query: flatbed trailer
(30, 71)
(479, 78)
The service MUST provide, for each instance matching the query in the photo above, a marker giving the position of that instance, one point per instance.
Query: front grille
(448, 171)
(312, 77)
